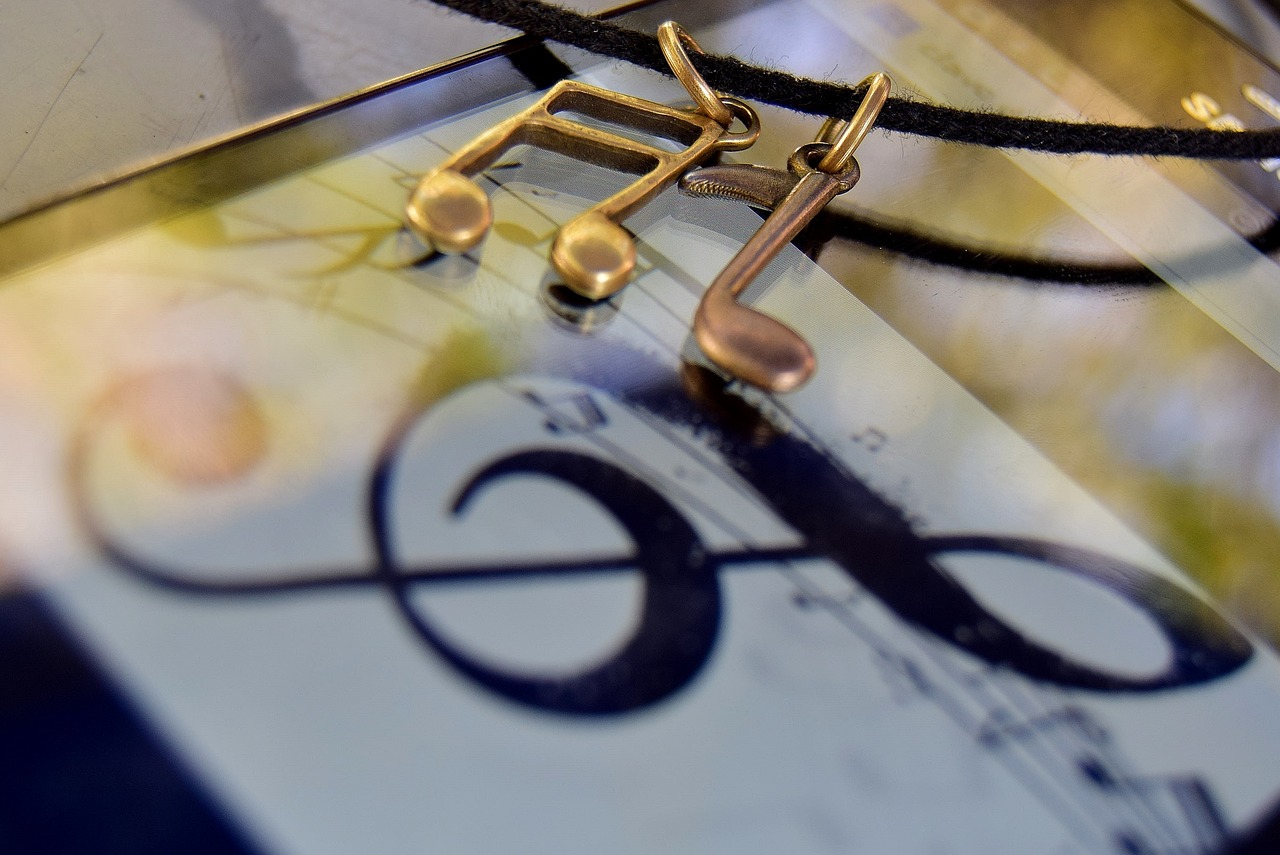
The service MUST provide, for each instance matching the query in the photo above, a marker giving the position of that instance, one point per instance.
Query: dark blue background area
(79, 770)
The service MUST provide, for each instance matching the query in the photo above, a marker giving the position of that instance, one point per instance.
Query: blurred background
(92, 88)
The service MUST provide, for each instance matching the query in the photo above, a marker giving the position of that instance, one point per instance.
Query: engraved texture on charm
(594, 254)
(759, 186)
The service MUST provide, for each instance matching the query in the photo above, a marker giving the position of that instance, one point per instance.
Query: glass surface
(394, 549)
(1161, 400)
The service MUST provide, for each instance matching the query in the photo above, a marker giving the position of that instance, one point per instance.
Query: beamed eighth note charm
(593, 253)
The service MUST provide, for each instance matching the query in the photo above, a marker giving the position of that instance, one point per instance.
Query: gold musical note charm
(744, 342)
(593, 253)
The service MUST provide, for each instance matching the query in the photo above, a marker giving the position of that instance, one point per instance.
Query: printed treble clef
(838, 517)
(1012, 711)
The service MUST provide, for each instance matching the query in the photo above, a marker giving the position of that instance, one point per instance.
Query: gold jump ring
(852, 134)
(673, 39)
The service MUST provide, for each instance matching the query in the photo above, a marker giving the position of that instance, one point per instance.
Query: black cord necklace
(824, 98)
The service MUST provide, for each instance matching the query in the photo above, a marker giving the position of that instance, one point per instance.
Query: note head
(595, 256)
(752, 346)
(450, 212)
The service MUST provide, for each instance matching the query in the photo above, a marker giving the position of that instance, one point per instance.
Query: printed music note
(570, 413)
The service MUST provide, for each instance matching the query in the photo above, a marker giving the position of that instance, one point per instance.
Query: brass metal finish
(593, 253)
(452, 210)
(831, 128)
(759, 186)
(673, 40)
(746, 343)
(749, 344)
(851, 135)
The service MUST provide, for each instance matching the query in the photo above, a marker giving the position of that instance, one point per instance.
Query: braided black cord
(824, 98)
